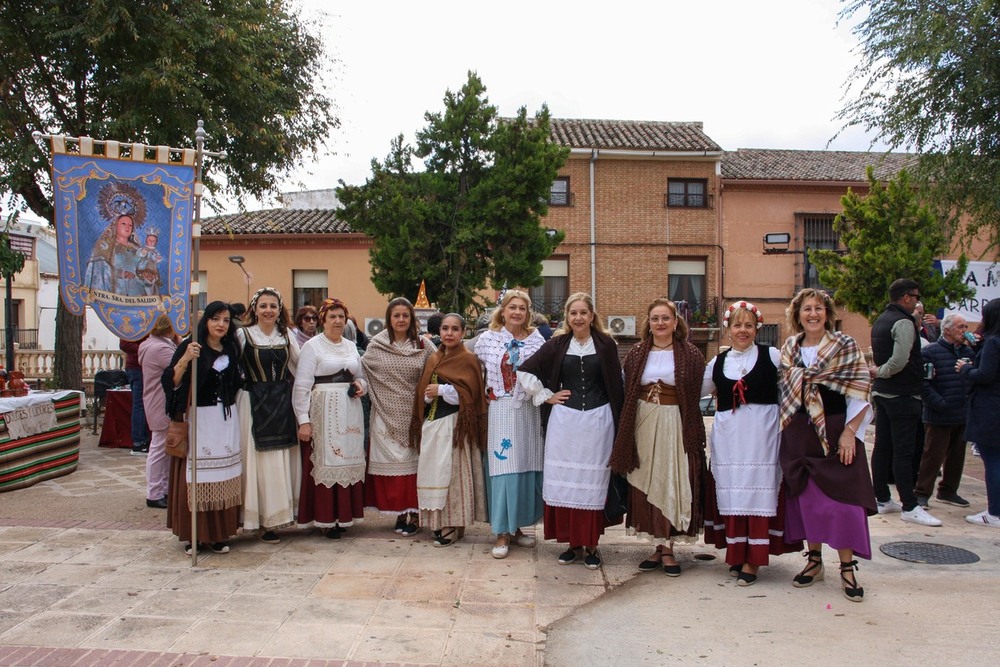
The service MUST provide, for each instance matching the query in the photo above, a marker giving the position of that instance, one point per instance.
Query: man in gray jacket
(945, 398)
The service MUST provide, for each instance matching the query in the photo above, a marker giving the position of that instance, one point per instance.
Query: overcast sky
(758, 74)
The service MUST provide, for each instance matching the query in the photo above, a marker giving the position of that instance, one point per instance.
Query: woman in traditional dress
(268, 356)
(306, 324)
(393, 363)
(329, 383)
(744, 514)
(449, 428)
(661, 442)
(577, 379)
(219, 488)
(155, 355)
(514, 453)
(825, 389)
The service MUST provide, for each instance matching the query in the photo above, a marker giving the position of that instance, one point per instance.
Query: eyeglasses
(915, 296)
(310, 318)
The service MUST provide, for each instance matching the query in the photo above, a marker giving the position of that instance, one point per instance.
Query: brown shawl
(459, 368)
(690, 367)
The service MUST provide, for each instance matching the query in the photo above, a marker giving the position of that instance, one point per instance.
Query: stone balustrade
(38, 364)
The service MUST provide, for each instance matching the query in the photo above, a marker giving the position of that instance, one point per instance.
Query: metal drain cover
(929, 553)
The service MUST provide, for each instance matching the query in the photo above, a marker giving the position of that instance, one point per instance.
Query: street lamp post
(238, 261)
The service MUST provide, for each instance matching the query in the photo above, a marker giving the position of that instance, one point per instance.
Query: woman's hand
(559, 397)
(305, 432)
(431, 392)
(359, 391)
(960, 364)
(846, 447)
(192, 352)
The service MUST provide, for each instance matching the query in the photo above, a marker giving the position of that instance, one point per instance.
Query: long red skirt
(578, 528)
(746, 539)
(394, 494)
(326, 507)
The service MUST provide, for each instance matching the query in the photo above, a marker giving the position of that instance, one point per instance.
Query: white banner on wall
(984, 277)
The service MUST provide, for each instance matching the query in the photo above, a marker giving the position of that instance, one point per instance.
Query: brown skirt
(213, 525)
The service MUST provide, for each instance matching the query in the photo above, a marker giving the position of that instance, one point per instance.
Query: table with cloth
(39, 437)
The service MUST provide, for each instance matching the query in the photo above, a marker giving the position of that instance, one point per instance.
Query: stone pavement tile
(108, 554)
(334, 611)
(11, 547)
(225, 637)
(424, 548)
(496, 618)
(498, 591)
(43, 552)
(429, 587)
(8, 619)
(177, 604)
(384, 644)
(477, 648)
(72, 574)
(139, 633)
(169, 553)
(367, 565)
(563, 594)
(547, 614)
(31, 598)
(312, 640)
(351, 587)
(147, 538)
(12, 572)
(415, 614)
(83, 536)
(421, 565)
(263, 608)
(236, 559)
(134, 577)
(305, 559)
(28, 534)
(205, 579)
(514, 566)
(395, 546)
(109, 601)
(59, 628)
(278, 583)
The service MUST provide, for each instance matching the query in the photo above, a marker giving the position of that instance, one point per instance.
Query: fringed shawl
(459, 368)
(839, 366)
(392, 372)
(689, 365)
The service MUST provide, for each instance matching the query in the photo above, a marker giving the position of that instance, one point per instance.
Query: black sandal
(448, 536)
(734, 570)
(814, 566)
(670, 570)
(654, 562)
(852, 591)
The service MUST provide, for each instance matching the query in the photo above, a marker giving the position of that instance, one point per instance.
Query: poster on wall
(123, 229)
(984, 277)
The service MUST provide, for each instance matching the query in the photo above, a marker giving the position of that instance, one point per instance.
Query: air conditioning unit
(622, 325)
(373, 325)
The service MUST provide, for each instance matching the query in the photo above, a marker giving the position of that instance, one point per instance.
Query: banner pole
(200, 136)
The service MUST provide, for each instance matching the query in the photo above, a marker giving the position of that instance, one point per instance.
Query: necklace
(741, 357)
(664, 347)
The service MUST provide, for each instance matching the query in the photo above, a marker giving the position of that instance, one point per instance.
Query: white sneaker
(888, 507)
(921, 516)
(984, 518)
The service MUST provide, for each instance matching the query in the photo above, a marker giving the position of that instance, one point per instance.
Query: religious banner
(123, 228)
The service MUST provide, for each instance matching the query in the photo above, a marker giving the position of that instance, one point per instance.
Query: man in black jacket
(945, 402)
(897, 383)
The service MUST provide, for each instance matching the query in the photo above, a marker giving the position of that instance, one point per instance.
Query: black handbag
(616, 505)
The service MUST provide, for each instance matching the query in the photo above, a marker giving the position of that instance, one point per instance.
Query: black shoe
(401, 522)
(159, 503)
(812, 572)
(333, 533)
(569, 556)
(592, 561)
(270, 537)
(142, 449)
(852, 591)
(746, 579)
(220, 548)
(953, 499)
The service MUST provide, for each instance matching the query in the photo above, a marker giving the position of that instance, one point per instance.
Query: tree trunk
(68, 366)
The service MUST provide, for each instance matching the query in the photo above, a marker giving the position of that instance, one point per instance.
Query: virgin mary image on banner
(114, 260)
(114, 254)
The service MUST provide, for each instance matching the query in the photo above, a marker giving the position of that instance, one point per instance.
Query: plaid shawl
(839, 366)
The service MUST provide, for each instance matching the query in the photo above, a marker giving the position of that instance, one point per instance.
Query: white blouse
(321, 356)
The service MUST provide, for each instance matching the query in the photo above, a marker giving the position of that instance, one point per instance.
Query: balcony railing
(26, 339)
(700, 314)
(38, 364)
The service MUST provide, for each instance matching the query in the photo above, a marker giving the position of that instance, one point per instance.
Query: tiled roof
(638, 135)
(277, 221)
(788, 165)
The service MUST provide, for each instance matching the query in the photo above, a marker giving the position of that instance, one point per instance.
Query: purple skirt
(815, 517)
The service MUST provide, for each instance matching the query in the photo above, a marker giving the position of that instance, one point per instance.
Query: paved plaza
(88, 576)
